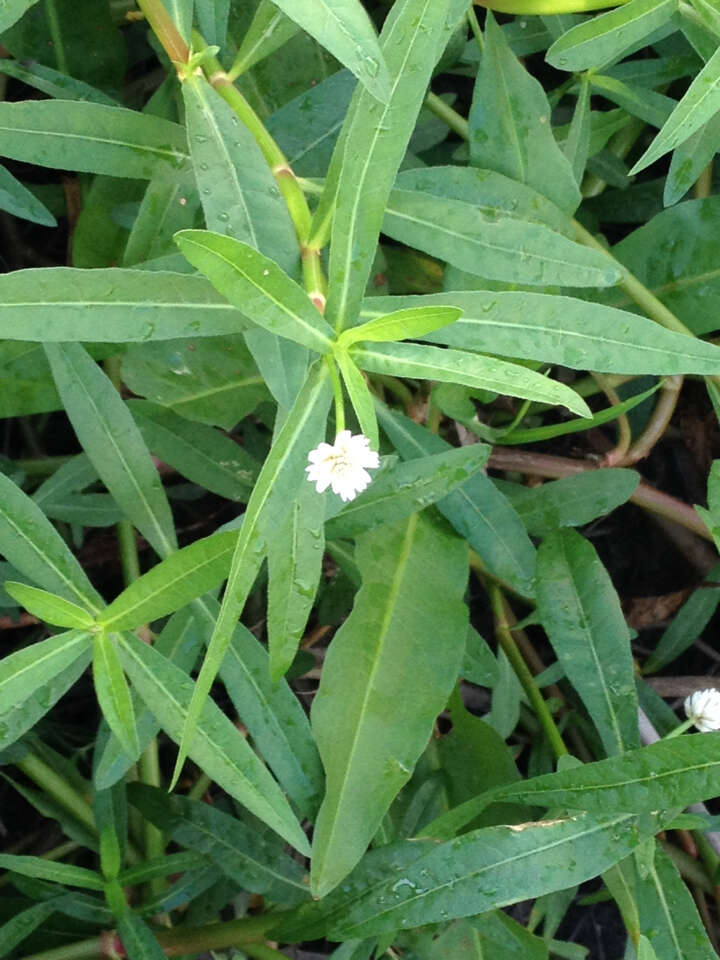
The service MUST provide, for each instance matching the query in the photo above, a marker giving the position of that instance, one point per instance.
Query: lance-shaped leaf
(274, 492)
(117, 306)
(360, 396)
(597, 41)
(408, 487)
(580, 610)
(12, 10)
(269, 29)
(577, 146)
(344, 28)
(26, 670)
(477, 510)
(295, 556)
(253, 859)
(555, 329)
(22, 924)
(412, 323)
(258, 286)
(510, 129)
(372, 146)
(181, 12)
(667, 774)
(49, 607)
(113, 442)
(699, 104)
(455, 366)
(171, 584)
(31, 544)
(514, 251)
(20, 202)
(137, 938)
(420, 882)
(387, 675)
(690, 158)
(91, 137)
(54, 872)
(112, 692)
(217, 746)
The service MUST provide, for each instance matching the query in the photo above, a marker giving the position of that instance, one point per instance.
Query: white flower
(342, 465)
(703, 708)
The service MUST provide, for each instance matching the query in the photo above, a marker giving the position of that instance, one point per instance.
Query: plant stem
(657, 424)
(444, 112)
(522, 671)
(165, 30)
(58, 788)
(618, 453)
(337, 394)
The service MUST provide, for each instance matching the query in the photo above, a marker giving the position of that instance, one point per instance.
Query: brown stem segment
(165, 30)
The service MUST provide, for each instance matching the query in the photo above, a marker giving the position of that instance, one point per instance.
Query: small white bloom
(703, 708)
(342, 465)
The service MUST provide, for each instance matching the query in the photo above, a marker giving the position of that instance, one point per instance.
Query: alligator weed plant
(358, 512)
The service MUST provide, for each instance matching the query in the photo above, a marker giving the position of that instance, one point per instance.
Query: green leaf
(668, 915)
(555, 329)
(54, 872)
(31, 544)
(387, 674)
(137, 938)
(667, 774)
(645, 950)
(372, 147)
(22, 924)
(510, 129)
(420, 882)
(597, 41)
(54, 83)
(406, 488)
(217, 746)
(477, 510)
(409, 324)
(205, 456)
(213, 380)
(274, 492)
(112, 441)
(295, 556)
(181, 12)
(571, 501)
(250, 857)
(511, 250)
(34, 666)
(91, 137)
(20, 202)
(118, 306)
(581, 614)
(698, 105)
(654, 108)
(49, 607)
(360, 396)
(173, 583)
(689, 160)
(112, 692)
(272, 713)
(170, 203)
(344, 28)
(266, 295)
(455, 366)
(268, 31)
(12, 10)
(577, 147)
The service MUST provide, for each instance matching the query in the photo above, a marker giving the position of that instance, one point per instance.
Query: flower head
(703, 708)
(342, 465)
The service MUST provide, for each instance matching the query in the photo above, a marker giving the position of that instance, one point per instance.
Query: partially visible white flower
(342, 465)
(703, 708)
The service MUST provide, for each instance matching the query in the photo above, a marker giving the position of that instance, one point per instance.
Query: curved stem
(657, 424)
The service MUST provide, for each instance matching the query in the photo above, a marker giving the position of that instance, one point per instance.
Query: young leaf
(49, 607)
(295, 556)
(32, 667)
(59, 304)
(564, 330)
(510, 128)
(171, 584)
(344, 28)
(477, 510)
(360, 396)
(581, 613)
(577, 145)
(112, 441)
(455, 366)
(698, 105)
(372, 147)
(31, 544)
(217, 746)
(371, 731)
(597, 41)
(257, 285)
(514, 251)
(412, 323)
(281, 476)
(91, 137)
(112, 692)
